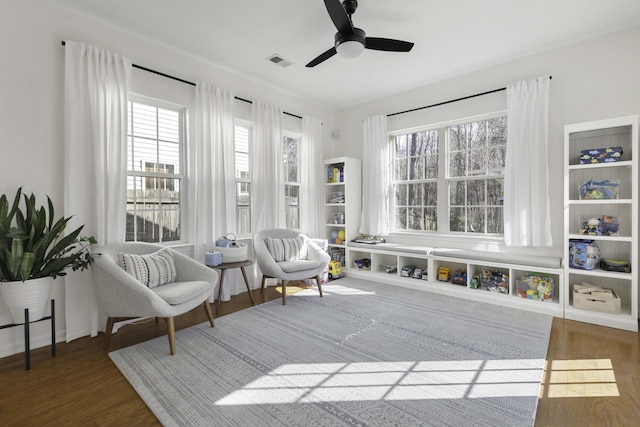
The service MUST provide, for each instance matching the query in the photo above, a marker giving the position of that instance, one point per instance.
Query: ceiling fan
(351, 41)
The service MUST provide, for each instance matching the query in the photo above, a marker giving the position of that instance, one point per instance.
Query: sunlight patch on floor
(403, 380)
(579, 378)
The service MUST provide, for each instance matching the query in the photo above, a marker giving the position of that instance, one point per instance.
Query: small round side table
(225, 266)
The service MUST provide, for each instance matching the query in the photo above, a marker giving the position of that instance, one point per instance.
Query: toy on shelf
(391, 268)
(601, 155)
(460, 277)
(362, 264)
(444, 274)
(583, 254)
(494, 281)
(608, 225)
(536, 286)
(593, 190)
(407, 271)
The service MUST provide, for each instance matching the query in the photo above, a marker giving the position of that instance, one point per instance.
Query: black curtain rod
(169, 76)
(451, 101)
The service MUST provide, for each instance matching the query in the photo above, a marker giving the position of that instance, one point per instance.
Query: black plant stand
(27, 348)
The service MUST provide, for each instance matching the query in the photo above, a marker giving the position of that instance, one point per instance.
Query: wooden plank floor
(81, 386)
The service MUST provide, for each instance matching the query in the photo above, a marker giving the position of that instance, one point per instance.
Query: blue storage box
(213, 259)
(583, 254)
(601, 155)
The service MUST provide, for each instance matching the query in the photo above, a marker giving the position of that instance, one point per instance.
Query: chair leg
(264, 279)
(284, 292)
(171, 331)
(319, 285)
(207, 309)
(107, 333)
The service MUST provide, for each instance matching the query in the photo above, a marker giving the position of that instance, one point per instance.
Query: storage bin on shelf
(592, 297)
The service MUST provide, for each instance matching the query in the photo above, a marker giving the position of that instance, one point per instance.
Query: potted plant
(34, 250)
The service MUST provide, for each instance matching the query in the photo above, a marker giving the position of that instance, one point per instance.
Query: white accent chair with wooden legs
(139, 291)
(288, 255)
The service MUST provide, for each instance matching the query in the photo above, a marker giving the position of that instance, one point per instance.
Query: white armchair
(122, 297)
(311, 267)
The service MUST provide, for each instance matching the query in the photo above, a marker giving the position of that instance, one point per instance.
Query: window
(155, 142)
(460, 192)
(476, 154)
(243, 179)
(415, 182)
(291, 158)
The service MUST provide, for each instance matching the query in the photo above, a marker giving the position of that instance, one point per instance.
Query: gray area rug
(366, 354)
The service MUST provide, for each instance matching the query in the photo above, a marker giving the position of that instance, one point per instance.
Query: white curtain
(267, 177)
(375, 177)
(213, 160)
(311, 218)
(527, 219)
(95, 157)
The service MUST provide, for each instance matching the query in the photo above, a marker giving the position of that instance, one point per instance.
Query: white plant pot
(32, 294)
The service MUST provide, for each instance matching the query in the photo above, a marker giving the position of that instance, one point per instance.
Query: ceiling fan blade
(322, 57)
(390, 45)
(339, 16)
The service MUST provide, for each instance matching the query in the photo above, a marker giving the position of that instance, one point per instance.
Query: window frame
(442, 180)
(239, 180)
(298, 183)
(145, 175)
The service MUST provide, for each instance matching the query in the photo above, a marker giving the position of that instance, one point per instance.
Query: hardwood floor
(81, 386)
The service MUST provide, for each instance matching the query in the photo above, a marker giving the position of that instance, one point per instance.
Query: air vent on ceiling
(279, 60)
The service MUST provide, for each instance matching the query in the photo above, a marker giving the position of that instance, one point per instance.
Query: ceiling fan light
(350, 48)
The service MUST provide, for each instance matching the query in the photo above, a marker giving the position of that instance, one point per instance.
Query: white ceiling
(451, 37)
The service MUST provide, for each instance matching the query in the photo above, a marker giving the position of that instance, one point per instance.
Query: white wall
(32, 102)
(592, 80)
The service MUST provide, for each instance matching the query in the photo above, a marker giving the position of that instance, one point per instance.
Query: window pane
(457, 193)
(475, 220)
(432, 167)
(416, 167)
(457, 164)
(415, 194)
(495, 191)
(431, 219)
(401, 146)
(416, 220)
(478, 134)
(475, 193)
(495, 220)
(401, 170)
(401, 194)
(497, 157)
(457, 138)
(457, 220)
(497, 131)
(401, 218)
(243, 195)
(431, 194)
(477, 161)
(244, 220)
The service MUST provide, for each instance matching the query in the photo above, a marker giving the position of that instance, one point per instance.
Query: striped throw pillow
(286, 249)
(151, 270)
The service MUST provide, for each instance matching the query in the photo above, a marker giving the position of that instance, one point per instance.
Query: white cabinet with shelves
(383, 255)
(342, 200)
(623, 206)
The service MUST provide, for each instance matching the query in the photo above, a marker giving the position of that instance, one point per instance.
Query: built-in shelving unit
(342, 201)
(383, 256)
(622, 170)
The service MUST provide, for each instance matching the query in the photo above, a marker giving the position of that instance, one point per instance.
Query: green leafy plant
(33, 243)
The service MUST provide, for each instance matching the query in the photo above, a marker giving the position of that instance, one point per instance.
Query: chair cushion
(300, 265)
(179, 292)
(151, 270)
(286, 249)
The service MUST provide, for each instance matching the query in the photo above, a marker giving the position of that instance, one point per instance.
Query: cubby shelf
(341, 204)
(381, 258)
(589, 136)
